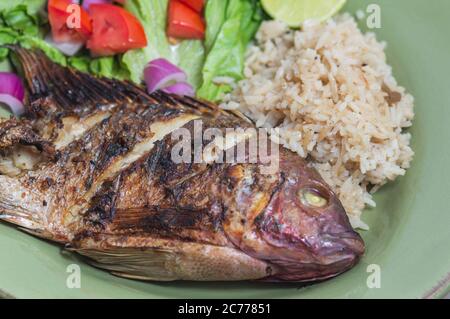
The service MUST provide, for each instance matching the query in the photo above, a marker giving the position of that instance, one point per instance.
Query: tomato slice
(136, 33)
(197, 5)
(115, 30)
(61, 22)
(183, 22)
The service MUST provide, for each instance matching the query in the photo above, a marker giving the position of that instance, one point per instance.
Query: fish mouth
(355, 244)
(311, 272)
(336, 255)
(349, 242)
(308, 273)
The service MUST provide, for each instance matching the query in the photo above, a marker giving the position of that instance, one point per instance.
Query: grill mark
(30, 72)
(197, 105)
(97, 90)
(84, 126)
(103, 172)
(182, 222)
(101, 157)
(103, 204)
(164, 183)
(159, 133)
(92, 88)
(204, 109)
(58, 92)
(160, 220)
(154, 158)
(147, 164)
(139, 91)
(123, 90)
(79, 96)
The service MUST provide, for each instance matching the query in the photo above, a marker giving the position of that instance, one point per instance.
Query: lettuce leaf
(7, 36)
(20, 20)
(215, 13)
(110, 67)
(32, 6)
(81, 62)
(231, 24)
(54, 54)
(189, 56)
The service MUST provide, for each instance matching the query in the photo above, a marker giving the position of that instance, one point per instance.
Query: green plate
(410, 228)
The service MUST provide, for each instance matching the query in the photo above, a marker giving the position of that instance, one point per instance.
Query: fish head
(306, 228)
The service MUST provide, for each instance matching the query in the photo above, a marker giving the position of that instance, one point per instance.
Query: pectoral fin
(173, 260)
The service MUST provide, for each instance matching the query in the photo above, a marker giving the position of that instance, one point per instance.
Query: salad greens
(33, 6)
(18, 18)
(21, 24)
(188, 54)
(231, 24)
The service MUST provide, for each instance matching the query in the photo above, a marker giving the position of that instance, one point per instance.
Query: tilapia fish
(89, 166)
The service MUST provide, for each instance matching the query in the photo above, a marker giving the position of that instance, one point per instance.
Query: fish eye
(312, 197)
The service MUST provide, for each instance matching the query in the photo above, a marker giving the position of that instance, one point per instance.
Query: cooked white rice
(332, 95)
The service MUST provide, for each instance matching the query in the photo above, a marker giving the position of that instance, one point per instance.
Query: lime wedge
(295, 12)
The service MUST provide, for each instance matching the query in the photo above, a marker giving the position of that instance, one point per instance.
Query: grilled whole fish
(89, 166)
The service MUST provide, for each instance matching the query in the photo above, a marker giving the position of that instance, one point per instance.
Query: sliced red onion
(11, 84)
(12, 92)
(68, 48)
(160, 73)
(87, 3)
(14, 104)
(181, 88)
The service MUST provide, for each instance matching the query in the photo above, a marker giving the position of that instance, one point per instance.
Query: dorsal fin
(57, 89)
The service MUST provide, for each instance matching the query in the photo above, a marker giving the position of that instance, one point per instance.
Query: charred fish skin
(109, 190)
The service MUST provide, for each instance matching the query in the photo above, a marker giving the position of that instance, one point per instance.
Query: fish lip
(346, 245)
(302, 272)
(356, 244)
(350, 240)
(346, 251)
